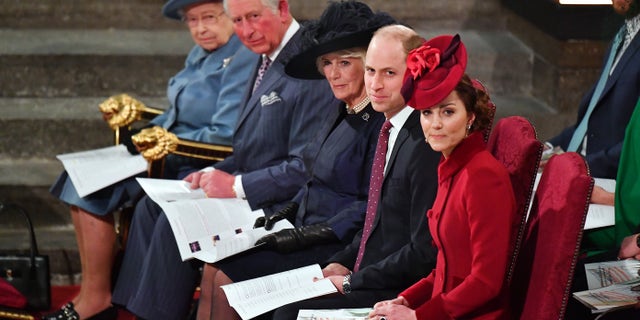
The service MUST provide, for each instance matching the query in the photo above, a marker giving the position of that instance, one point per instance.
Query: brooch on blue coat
(225, 62)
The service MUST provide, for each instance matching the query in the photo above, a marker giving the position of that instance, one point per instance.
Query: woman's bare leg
(206, 291)
(97, 236)
(78, 231)
(221, 310)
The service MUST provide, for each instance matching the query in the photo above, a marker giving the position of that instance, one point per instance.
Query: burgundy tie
(375, 184)
(261, 71)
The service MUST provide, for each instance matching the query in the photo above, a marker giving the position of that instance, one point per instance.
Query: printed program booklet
(207, 229)
(334, 314)
(598, 215)
(612, 284)
(251, 298)
(93, 170)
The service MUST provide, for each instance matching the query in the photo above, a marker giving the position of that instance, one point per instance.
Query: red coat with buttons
(470, 223)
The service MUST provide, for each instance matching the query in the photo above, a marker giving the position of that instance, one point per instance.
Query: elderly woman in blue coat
(204, 102)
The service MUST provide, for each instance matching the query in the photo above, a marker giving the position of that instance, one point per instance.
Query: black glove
(125, 138)
(288, 212)
(290, 240)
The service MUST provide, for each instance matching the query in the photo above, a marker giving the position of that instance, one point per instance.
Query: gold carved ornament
(122, 110)
(155, 143)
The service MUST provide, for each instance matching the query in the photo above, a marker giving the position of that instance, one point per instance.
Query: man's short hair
(271, 4)
(409, 37)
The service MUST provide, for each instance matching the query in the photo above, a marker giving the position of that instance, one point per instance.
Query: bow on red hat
(433, 71)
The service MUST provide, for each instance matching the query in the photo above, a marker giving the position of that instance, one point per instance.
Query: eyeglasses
(207, 19)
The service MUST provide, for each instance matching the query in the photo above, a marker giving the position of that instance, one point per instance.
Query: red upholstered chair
(541, 282)
(515, 144)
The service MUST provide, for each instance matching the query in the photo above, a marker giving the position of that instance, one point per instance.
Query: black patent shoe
(65, 312)
(69, 313)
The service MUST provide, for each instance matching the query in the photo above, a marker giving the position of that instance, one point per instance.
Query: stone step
(41, 128)
(146, 14)
(497, 58)
(461, 14)
(82, 14)
(75, 63)
(70, 63)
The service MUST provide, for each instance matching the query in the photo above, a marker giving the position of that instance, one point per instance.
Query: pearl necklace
(359, 106)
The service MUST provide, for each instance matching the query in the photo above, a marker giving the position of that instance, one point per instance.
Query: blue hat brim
(172, 8)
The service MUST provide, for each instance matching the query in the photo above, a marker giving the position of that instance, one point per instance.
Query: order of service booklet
(251, 298)
(207, 229)
(334, 314)
(598, 215)
(612, 284)
(93, 170)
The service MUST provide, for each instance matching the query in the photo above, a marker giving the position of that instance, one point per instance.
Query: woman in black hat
(204, 102)
(330, 208)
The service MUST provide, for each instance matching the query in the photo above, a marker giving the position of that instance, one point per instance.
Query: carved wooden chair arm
(121, 111)
(156, 143)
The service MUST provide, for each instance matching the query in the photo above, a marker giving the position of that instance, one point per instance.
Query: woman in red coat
(473, 212)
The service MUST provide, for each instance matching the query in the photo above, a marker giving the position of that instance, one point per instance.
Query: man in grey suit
(279, 116)
(398, 249)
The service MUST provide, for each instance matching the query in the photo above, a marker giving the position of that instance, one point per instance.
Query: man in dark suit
(279, 116)
(605, 126)
(398, 250)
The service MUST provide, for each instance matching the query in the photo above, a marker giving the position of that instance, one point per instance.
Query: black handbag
(29, 274)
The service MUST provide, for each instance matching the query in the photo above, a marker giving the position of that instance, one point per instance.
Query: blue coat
(276, 123)
(605, 132)
(205, 96)
(204, 100)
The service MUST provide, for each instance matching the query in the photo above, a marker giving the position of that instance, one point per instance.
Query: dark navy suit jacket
(338, 189)
(275, 124)
(610, 116)
(399, 250)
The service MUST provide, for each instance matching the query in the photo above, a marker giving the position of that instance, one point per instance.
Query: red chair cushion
(542, 277)
(514, 143)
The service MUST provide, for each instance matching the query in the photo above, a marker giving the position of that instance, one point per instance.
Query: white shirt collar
(293, 28)
(398, 120)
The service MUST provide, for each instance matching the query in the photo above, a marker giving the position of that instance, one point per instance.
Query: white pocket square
(272, 98)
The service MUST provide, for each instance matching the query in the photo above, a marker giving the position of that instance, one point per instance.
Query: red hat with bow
(433, 71)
